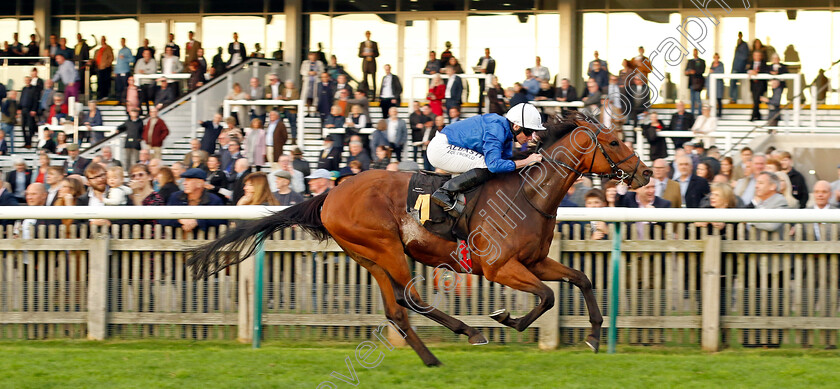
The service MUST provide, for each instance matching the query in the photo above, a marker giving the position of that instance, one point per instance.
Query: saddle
(430, 215)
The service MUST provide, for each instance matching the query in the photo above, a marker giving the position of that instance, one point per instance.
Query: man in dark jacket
(797, 181)
(566, 92)
(212, 129)
(133, 128)
(330, 155)
(29, 110)
(165, 94)
(74, 164)
(680, 121)
(241, 170)
(193, 194)
(757, 87)
(692, 187)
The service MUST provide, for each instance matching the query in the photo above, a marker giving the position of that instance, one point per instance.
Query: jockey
(478, 147)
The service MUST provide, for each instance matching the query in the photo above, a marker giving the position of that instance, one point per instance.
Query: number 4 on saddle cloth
(434, 218)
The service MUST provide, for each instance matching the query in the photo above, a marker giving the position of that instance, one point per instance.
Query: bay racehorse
(512, 226)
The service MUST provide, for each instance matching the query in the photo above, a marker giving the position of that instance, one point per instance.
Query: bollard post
(616, 267)
(258, 293)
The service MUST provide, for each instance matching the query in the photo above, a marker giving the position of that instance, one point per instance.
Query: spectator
(452, 62)
(821, 200)
(165, 93)
(155, 132)
(665, 188)
(680, 121)
(133, 128)
(704, 125)
(142, 192)
(275, 136)
(18, 179)
(256, 191)
(145, 157)
(358, 153)
(437, 92)
(717, 67)
(291, 93)
(325, 91)
(310, 71)
(380, 136)
(284, 163)
(531, 85)
(70, 192)
(212, 129)
(566, 92)
(335, 120)
(118, 193)
(600, 75)
(142, 49)
(454, 115)
(757, 87)
(177, 169)
(643, 197)
(92, 119)
(298, 163)
(255, 146)
(39, 174)
(237, 52)
(799, 188)
(546, 92)
(766, 197)
(196, 79)
(540, 72)
(613, 93)
(320, 182)
(166, 182)
(133, 95)
(4, 145)
(146, 65)
(591, 98)
(123, 69)
(330, 155)
(60, 143)
(694, 69)
(193, 194)
(217, 181)
(362, 101)
(453, 91)
(284, 195)
(745, 187)
(234, 131)
(46, 143)
(432, 65)
(396, 133)
(642, 62)
(639, 95)
(29, 98)
(231, 155)
(368, 51)
(720, 197)
(704, 171)
(517, 95)
(739, 65)
(52, 180)
(241, 169)
(74, 164)
(496, 97)
(272, 91)
(726, 165)
(197, 160)
(382, 157)
(610, 193)
(341, 84)
(96, 175)
(8, 111)
(785, 188)
(102, 62)
(333, 67)
(595, 198)
(67, 75)
(58, 110)
(218, 64)
(602, 64)
(774, 104)
(170, 63)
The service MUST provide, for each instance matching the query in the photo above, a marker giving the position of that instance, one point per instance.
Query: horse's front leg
(515, 275)
(548, 269)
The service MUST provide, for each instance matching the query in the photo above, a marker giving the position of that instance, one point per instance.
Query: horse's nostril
(647, 173)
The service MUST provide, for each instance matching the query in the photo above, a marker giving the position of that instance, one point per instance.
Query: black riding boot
(445, 196)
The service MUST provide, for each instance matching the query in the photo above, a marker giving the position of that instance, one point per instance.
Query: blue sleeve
(494, 141)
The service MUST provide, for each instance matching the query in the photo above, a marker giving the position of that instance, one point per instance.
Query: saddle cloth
(419, 205)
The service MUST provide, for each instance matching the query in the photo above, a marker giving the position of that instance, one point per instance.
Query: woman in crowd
(61, 143)
(166, 183)
(726, 165)
(216, 178)
(131, 96)
(721, 196)
(437, 91)
(257, 191)
(610, 193)
(453, 62)
(238, 94)
(786, 188)
(704, 125)
(196, 160)
(717, 67)
(234, 131)
(140, 181)
(39, 174)
(334, 68)
(496, 97)
(356, 121)
(380, 136)
(69, 192)
(196, 76)
(703, 170)
(92, 119)
(255, 143)
(382, 157)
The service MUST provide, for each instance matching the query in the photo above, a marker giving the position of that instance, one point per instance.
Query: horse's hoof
(593, 343)
(434, 362)
(500, 316)
(478, 339)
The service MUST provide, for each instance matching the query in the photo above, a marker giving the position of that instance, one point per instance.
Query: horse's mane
(558, 126)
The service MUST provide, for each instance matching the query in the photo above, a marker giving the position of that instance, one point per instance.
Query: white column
(293, 44)
(569, 59)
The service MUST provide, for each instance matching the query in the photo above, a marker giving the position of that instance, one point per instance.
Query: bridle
(617, 172)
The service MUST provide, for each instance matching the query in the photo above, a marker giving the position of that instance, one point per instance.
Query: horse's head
(591, 149)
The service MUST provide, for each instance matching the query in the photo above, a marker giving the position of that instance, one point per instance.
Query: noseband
(617, 173)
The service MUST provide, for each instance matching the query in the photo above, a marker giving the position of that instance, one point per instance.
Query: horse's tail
(241, 242)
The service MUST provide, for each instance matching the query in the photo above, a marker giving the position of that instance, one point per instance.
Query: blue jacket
(180, 198)
(489, 135)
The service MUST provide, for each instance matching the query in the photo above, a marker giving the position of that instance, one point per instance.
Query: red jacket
(159, 133)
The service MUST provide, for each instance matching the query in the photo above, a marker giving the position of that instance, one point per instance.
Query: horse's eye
(614, 143)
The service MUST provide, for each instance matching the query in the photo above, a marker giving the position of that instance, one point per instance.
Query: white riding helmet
(525, 115)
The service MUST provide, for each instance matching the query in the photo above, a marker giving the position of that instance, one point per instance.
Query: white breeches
(453, 159)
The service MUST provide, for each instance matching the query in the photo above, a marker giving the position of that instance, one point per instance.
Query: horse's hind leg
(551, 270)
(398, 314)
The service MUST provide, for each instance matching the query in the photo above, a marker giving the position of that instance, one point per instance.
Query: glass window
(415, 55)
(349, 30)
(98, 7)
(508, 5)
(275, 33)
(8, 9)
(27, 7)
(791, 38)
(63, 7)
(276, 6)
(156, 33)
(431, 5)
(364, 5)
(319, 32)
(238, 6)
(217, 31)
(512, 53)
(112, 29)
(316, 6)
(169, 7)
(593, 4)
(68, 28)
